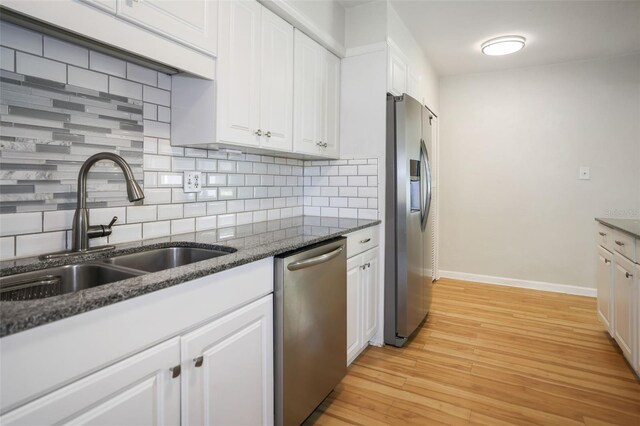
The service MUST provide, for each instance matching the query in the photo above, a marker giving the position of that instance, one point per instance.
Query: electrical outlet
(192, 181)
(584, 173)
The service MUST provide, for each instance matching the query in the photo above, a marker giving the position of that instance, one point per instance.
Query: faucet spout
(82, 232)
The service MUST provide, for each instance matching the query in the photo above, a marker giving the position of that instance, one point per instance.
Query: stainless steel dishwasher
(310, 328)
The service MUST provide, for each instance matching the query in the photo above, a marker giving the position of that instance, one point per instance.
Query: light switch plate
(584, 173)
(192, 181)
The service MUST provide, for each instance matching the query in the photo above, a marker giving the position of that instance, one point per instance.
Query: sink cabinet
(139, 390)
(118, 364)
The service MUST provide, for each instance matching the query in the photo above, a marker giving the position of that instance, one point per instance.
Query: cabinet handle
(602, 234)
(620, 243)
(363, 267)
(607, 261)
(319, 143)
(325, 144)
(258, 132)
(175, 371)
(368, 265)
(268, 134)
(365, 241)
(198, 361)
(628, 275)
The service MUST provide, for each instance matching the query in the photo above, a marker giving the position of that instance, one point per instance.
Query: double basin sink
(75, 277)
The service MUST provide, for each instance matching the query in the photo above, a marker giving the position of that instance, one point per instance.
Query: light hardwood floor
(492, 355)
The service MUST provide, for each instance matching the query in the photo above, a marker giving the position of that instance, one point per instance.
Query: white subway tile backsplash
(181, 226)
(20, 38)
(225, 166)
(357, 181)
(244, 218)
(367, 214)
(58, 220)
(107, 64)
(235, 180)
(40, 67)
(348, 191)
(156, 96)
(150, 145)
(369, 191)
(156, 229)
(339, 202)
(142, 74)
(141, 214)
(273, 214)
(157, 129)
(157, 196)
(206, 222)
(348, 213)
(360, 203)
(225, 220)
(206, 165)
(157, 162)
(260, 216)
(195, 209)
(125, 233)
(89, 79)
(104, 216)
(338, 181)
(167, 179)
(214, 179)
(171, 211)
(164, 114)
(227, 193)
(7, 59)
(121, 87)
(165, 147)
(20, 223)
(368, 170)
(208, 194)
(47, 242)
(235, 206)
(164, 81)
(150, 111)
(179, 164)
(7, 248)
(179, 196)
(218, 207)
(66, 52)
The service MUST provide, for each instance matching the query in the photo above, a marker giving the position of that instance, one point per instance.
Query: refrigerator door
(428, 261)
(410, 310)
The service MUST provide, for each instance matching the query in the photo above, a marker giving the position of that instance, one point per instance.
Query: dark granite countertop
(630, 226)
(253, 242)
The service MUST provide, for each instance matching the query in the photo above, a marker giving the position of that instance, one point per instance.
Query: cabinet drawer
(604, 236)
(625, 244)
(363, 240)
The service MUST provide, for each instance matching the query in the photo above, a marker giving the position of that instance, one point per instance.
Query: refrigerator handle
(425, 178)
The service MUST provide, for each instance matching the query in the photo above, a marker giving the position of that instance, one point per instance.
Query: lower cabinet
(221, 373)
(141, 390)
(362, 301)
(605, 288)
(228, 369)
(625, 323)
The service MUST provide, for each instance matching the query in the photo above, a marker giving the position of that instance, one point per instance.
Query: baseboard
(513, 282)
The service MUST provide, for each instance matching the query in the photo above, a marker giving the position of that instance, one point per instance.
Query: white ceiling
(450, 32)
(352, 3)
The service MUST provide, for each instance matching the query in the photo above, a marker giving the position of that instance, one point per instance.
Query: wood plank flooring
(492, 355)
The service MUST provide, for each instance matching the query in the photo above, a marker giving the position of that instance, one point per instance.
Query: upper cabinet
(255, 77)
(181, 34)
(316, 99)
(192, 22)
(397, 74)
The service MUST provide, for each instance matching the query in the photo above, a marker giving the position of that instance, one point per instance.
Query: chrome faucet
(82, 231)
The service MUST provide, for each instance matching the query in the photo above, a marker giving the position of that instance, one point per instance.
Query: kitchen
(174, 171)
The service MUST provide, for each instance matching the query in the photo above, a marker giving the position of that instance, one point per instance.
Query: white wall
(510, 146)
(366, 25)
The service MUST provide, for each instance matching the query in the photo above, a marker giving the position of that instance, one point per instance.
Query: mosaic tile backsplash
(61, 103)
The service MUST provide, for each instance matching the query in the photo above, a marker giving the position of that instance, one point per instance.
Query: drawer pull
(620, 243)
(628, 275)
(365, 241)
(607, 261)
(602, 234)
(198, 361)
(175, 371)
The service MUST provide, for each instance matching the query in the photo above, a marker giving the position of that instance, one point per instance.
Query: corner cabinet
(363, 287)
(316, 121)
(255, 77)
(618, 284)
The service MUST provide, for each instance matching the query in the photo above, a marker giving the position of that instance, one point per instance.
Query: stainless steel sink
(165, 258)
(60, 280)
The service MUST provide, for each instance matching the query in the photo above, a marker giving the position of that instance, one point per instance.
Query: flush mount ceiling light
(503, 45)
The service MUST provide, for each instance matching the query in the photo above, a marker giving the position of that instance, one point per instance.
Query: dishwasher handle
(301, 264)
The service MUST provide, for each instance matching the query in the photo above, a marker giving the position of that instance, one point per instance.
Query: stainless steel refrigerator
(408, 218)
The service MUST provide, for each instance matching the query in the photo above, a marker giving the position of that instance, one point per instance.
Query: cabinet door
(228, 369)
(330, 111)
(276, 87)
(108, 5)
(624, 325)
(397, 72)
(371, 261)
(605, 289)
(354, 307)
(308, 96)
(192, 22)
(140, 390)
(238, 72)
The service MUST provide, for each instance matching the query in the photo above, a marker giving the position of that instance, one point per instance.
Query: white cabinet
(397, 74)
(141, 390)
(605, 288)
(362, 301)
(179, 33)
(191, 22)
(316, 123)
(255, 77)
(228, 369)
(625, 324)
